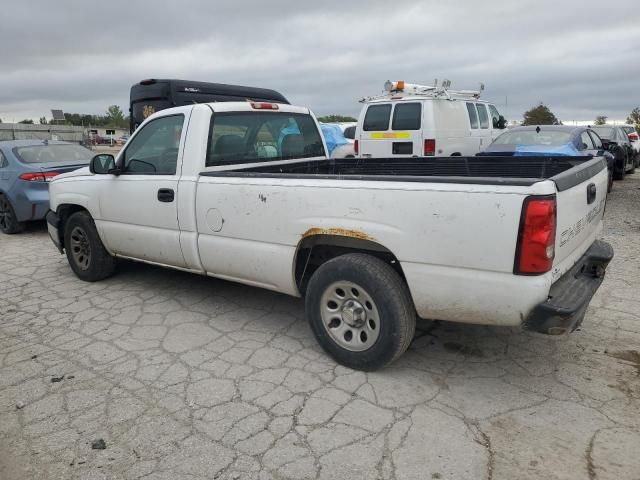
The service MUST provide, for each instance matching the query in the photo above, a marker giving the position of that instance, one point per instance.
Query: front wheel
(360, 311)
(86, 254)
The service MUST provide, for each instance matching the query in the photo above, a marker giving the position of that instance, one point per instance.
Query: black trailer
(152, 95)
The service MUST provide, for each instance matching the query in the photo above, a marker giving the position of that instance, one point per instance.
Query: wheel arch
(64, 212)
(316, 249)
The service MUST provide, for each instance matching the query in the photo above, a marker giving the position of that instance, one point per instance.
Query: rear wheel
(86, 254)
(360, 311)
(9, 223)
(620, 165)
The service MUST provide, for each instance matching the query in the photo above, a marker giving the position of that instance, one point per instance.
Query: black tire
(390, 303)
(9, 223)
(620, 172)
(81, 237)
(610, 182)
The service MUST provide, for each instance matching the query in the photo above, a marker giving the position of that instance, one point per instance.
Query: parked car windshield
(53, 154)
(604, 132)
(257, 137)
(531, 137)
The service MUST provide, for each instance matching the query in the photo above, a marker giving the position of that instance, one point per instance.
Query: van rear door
(392, 130)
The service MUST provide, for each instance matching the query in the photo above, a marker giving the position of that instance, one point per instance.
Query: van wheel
(9, 223)
(360, 311)
(86, 254)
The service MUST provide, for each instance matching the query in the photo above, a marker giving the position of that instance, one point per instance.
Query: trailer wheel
(360, 311)
(86, 254)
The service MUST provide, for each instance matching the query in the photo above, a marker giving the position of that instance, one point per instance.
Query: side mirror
(502, 122)
(103, 164)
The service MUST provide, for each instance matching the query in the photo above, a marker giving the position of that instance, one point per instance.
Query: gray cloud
(580, 59)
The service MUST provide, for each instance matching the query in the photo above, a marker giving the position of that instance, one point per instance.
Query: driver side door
(138, 208)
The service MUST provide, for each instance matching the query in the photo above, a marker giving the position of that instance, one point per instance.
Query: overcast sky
(580, 57)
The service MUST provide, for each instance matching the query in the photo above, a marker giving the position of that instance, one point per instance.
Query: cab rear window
(377, 118)
(406, 116)
(240, 137)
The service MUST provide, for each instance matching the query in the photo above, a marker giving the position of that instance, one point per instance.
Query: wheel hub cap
(350, 316)
(354, 314)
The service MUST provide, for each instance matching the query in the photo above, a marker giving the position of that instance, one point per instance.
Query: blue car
(26, 167)
(553, 141)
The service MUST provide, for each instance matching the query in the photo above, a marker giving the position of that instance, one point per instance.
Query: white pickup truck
(244, 192)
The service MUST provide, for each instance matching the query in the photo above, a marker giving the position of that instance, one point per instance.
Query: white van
(414, 120)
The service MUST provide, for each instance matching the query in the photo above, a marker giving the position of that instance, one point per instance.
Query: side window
(482, 113)
(377, 118)
(406, 116)
(585, 142)
(3, 161)
(350, 132)
(154, 150)
(251, 137)
(495, 116)
(473, 115)
(597, 142)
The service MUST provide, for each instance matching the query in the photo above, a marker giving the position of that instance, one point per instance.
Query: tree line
(113, 117)
(541, 114)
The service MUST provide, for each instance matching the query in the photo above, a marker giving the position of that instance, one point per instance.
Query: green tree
(27, 121)
(600, 120)
(43, 120)
(336, 119)
(115, 116)
(634, 118)
(540, 115)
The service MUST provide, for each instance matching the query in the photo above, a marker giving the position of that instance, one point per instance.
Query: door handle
(166, 195)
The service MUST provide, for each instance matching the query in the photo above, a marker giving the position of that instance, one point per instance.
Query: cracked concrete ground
(190, 377)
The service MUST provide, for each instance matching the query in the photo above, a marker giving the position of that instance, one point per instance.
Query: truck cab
(413, 120)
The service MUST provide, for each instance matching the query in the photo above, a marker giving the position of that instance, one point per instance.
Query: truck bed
(524, 171)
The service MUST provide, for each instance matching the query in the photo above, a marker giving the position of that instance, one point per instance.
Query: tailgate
(581, 198)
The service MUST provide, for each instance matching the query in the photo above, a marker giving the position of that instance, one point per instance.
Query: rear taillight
(429, 147)
(38, 176)
(633, 137)
(355, 147)
(537, 236)
(264, 106)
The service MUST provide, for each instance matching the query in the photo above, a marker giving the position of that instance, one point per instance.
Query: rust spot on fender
(342, 232)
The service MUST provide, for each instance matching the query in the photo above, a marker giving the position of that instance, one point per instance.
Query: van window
(495, 116)
(406, 116)
(377, 118)
(247, 137)
(482, 113)
(473, 115)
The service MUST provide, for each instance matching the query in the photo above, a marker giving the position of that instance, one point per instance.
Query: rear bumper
(53, 222)
(569, 297)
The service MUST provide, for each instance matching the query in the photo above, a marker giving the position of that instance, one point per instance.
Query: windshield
(531, 137)
(604, 132)
(53, 154)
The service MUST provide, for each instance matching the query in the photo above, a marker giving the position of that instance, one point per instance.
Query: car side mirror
(103, 164)
(502, 122)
